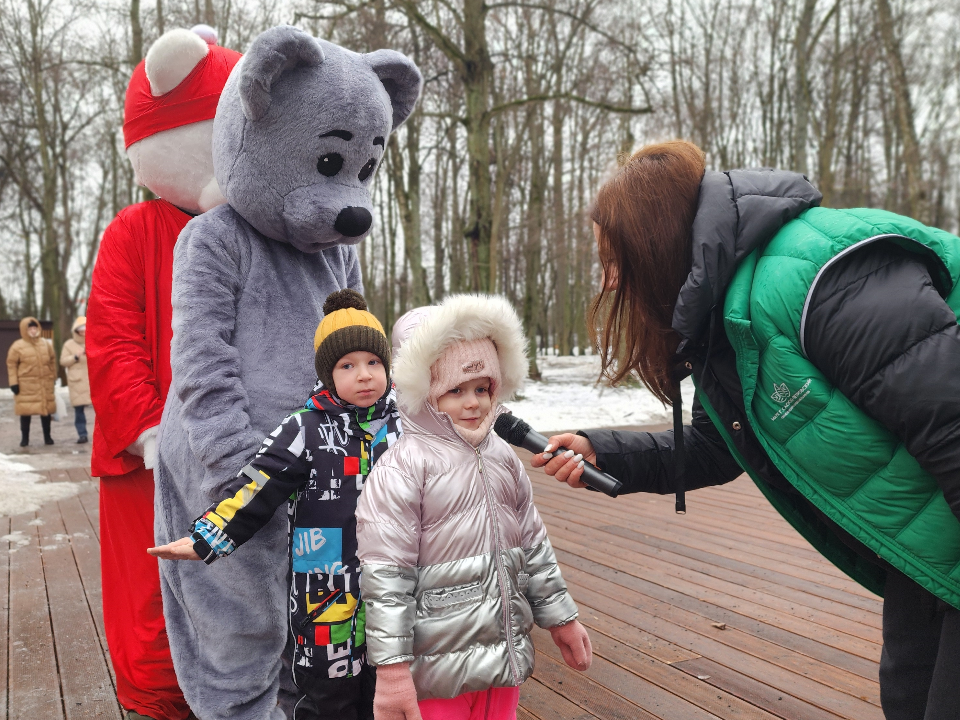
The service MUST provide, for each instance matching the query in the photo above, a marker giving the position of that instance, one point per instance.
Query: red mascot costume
(168, 124)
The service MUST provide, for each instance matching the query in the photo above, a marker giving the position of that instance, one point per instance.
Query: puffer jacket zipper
(501, 571)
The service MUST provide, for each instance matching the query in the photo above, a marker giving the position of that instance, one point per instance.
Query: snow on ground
(21, 490)
(569, 398)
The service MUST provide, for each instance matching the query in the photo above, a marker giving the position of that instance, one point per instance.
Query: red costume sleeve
(123, 384)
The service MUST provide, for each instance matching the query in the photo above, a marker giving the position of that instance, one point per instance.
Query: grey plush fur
(250, 279)
(291, 84)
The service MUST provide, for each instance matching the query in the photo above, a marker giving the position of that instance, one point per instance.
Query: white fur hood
(421, 336)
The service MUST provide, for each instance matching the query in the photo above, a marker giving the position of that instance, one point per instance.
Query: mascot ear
(270, 55)
(171, 58)
(400, 77)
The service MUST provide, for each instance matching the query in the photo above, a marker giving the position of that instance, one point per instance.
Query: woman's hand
(574, 644)
(181, 549)
(567, 467)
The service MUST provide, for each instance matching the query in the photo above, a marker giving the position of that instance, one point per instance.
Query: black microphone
(516, 432)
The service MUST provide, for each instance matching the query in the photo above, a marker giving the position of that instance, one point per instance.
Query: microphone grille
(511, 428)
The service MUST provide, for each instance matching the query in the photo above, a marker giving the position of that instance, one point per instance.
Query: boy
(318, 458)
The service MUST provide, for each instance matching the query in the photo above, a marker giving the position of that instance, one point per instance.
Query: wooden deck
(723, 613)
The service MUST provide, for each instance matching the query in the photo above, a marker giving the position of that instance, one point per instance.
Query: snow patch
(16, 538)
(568, 398)
(21, 490)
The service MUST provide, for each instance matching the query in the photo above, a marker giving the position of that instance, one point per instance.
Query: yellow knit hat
(347, 326)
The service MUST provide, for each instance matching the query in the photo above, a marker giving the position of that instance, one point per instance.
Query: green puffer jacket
(868, 470)
(850, 467)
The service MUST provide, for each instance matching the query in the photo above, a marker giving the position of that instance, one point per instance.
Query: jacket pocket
(455, 596)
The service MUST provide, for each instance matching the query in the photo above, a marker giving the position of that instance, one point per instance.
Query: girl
(456, 563)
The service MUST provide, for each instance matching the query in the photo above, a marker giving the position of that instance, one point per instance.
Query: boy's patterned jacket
(317, 459)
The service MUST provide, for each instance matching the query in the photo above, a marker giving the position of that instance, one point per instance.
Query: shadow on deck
(723, 613)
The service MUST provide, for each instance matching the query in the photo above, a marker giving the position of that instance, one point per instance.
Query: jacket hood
(421, 336)
(737, 212)
(77, 337)
(23, 329)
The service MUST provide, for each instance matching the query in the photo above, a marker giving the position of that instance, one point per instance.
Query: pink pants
(492, 704)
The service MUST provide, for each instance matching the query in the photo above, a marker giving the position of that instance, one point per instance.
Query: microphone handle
(592, 476)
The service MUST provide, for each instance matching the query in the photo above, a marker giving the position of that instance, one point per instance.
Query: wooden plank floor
(723, 613)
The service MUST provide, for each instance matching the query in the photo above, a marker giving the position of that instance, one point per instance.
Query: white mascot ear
(208, 34)
(171, 58)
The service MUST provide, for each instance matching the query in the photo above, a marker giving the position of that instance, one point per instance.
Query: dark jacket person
(826, 352)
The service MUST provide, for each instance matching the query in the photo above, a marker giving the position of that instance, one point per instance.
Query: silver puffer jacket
(456, 563)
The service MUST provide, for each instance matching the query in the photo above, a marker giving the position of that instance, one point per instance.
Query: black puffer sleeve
(880, 331)
(643, 461)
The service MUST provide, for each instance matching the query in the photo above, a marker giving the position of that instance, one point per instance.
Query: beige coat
(32, 364)
(74, 358)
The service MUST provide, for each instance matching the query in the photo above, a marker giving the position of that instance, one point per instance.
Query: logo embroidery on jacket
(782, 395)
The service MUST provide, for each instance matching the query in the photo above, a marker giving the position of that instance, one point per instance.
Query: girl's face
(33, 331)
(609, 279)
(359, 378)
(468, 403)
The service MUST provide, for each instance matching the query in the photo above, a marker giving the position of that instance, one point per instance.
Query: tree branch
(452, 52)
(608, 107)
(573, 16)
(348, 10)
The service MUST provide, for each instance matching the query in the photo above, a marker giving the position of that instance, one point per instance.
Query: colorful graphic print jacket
(317, 459)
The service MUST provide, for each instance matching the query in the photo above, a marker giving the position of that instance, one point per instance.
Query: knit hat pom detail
(342, 300)
(347, 326)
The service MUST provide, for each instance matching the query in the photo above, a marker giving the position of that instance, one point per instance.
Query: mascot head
(300, 132)
(168, 116)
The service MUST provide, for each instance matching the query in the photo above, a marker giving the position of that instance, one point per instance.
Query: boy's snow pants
(132, 608)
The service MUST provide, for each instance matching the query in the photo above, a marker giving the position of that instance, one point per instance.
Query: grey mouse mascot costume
(299, 132)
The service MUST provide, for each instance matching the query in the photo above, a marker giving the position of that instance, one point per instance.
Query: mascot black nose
(353, 221)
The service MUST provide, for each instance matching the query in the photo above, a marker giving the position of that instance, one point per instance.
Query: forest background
(526, 107)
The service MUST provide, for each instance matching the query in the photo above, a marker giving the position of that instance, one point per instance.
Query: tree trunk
(828, 141)
(136, 34)
(801, 91)
(903, 107)
(477, 75)
(410, 211)
(439, 207)
(532, 297)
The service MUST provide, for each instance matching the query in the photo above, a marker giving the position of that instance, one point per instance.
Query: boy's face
(359, 378)
(468, 403)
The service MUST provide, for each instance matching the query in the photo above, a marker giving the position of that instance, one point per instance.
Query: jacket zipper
(501, 572)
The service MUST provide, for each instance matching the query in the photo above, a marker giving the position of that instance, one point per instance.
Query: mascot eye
(367, 170)
(329, 164)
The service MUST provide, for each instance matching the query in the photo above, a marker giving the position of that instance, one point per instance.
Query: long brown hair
(645, 215)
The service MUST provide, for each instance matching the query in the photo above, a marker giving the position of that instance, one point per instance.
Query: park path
(723, 613)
